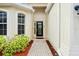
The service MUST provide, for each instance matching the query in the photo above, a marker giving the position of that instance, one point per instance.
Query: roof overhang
(18, 5)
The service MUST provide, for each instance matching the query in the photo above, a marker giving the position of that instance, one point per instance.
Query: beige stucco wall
(12, 21)
(53, 26)
(65, 29)
(59, 27)
(74, 46)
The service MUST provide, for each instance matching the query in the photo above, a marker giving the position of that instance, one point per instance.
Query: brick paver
(39, 48)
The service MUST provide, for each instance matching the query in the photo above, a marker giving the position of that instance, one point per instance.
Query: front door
(39, 27)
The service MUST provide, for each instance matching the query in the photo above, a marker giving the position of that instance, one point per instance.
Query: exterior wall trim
(21, 6)
(49, 6)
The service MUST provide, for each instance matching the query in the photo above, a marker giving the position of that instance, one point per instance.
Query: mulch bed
(0, 53)
(52, 48)
(25, 52)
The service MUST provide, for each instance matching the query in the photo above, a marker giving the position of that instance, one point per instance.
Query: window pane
(1, 32)
(19, 15)
(19, 31)
(5, 32)
(22, 26)
(4, 14)
(23, 16)
(1, 26)
(0, 20)
(22, 31)
(23, 21)
(19, 20)
(0, 15)
(19, 27)
(4, 20)
(5, 26)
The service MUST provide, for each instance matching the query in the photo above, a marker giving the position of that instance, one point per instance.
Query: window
(21, 22)
(3, 23)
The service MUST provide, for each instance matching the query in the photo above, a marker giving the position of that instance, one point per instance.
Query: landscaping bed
(52, 48)
(24, 53)
(18, 46)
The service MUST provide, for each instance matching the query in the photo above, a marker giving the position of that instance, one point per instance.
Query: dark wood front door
(39, 26)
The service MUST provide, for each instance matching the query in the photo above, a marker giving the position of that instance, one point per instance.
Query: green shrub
(16, 45)
(2, 41)
(8, 54)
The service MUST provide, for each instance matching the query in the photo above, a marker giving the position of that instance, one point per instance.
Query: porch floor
(39, 48)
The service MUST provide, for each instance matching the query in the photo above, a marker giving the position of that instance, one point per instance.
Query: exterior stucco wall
(59, 21)
(71, 42)
(65, 29)
(53, 26)
(12, 21)
(75, 32)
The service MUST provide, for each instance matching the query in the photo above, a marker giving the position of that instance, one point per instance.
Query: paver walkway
(39, 48)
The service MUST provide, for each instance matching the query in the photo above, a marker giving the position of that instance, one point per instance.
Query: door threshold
(39, 37)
